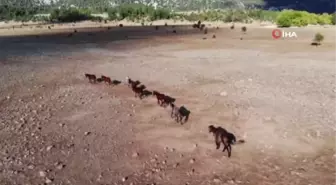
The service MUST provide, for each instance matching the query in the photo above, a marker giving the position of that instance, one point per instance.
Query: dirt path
(278, 95)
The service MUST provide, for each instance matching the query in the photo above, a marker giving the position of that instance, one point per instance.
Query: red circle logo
(276, 34)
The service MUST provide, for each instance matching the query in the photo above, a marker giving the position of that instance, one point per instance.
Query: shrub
(70, 15)
(129, 11)
(302, 18)
(289, 18)
(318, 38)
(244, 29)
(284, 19)
(236, 16)
(96, 18)
(213, 15)
(218, 15)
(160, 13)
(11, 12)
(324, 19)
(113, 14)
(333, 17)
(193, 17)
(136, 12)
(263, 15)
(40, 18)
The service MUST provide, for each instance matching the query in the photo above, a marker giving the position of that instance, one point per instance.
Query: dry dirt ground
(56, 128)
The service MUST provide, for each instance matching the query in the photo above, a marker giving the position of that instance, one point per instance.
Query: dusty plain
(57, 128)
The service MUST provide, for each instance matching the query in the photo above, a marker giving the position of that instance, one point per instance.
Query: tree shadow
(76, 39)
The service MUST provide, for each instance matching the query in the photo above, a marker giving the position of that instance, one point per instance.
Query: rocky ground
(56, 128)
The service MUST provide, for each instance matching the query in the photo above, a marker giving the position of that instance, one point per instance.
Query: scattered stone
(224, 93)
(153, 160)
(42, 173)
(216, 180)
(192, 161)
(48, 181)
(230, 181)
(301, 169)
(99, 177)
(49, 148)
(172, 150)
(60, 166)
(267, 118)
(250, 79)
(196, 145)
(8, 97)
(176, 165)
(129, 115)
(294, 173)
(61, 124)
(31, 167)
(23, 120)
(135, 154)
(156, 170)
(181, 155)
(124, 179)
(164, 162)
(87, 133)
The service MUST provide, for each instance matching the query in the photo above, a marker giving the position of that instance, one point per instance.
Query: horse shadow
(116, 82)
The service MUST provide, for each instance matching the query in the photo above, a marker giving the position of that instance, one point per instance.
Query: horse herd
(179, 114)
